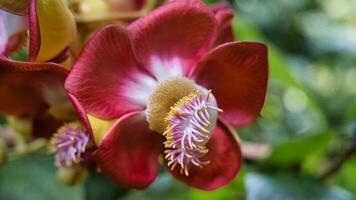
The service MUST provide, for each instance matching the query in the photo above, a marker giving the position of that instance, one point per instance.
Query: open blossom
(170, 87)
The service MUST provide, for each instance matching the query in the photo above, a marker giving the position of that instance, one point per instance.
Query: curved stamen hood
(185, 114)
(190, 124)
(165, 95)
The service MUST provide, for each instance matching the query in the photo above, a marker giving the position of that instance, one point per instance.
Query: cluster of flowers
(167, 88)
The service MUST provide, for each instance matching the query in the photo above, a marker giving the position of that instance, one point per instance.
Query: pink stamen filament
(188, 132)
(68, 144)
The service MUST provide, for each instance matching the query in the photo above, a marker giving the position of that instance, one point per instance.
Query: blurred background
(301, 148)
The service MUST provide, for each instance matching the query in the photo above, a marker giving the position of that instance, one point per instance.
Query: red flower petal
(105, 79)
(170, 37)
(26, 87)
(237, 75)
(223, 16)
(225, 161)
(82, 114)
(128, 153)
(20, 101)
(35, 35)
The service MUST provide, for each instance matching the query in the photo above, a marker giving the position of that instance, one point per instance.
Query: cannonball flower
(169, 88)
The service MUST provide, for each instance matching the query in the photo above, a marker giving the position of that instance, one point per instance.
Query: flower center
(166, 94)
(68, 144)
(186, 116)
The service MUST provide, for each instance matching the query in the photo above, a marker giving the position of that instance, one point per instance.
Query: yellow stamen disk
(166, 94)
(175, 109)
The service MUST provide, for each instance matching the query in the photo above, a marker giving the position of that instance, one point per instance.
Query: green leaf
(166, 187)
(297, 150)
(282, 187)
(346, 176)
(98, 186)
(234, 191)
(211, 1)
(33, 177)
(163, 188)
(2, 120)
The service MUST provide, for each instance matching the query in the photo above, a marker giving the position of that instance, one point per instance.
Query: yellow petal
(57, 28)
(100, 127)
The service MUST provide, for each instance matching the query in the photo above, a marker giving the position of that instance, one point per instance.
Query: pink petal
(225, 161)
(128, 153)
(237, 74)
(168, 39)
(105, 79)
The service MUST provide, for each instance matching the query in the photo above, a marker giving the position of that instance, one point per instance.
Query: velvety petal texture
(105, 79)
(169, 38)
(237, 75)
(129, 152)
(52, 28)
(225, 161)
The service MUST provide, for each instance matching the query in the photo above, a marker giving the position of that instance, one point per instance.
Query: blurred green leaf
(211, 1)
(282, 187)
(33, 177)
(350, 129)
(166, 187)
(296, 150)
(98, 186)
(351, 112)
(346, 176)
(21, 55)
(234, 191)
(163, 188)
(2, 120)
